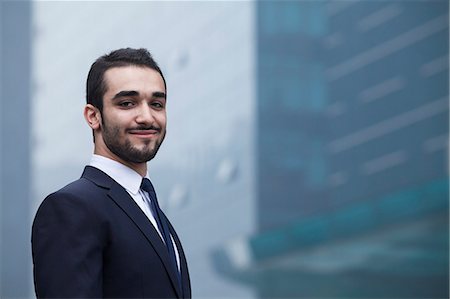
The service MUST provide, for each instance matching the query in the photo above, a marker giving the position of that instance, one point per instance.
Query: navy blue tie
(163, 226)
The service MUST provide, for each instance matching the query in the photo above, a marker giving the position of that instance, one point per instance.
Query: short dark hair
(96, 85)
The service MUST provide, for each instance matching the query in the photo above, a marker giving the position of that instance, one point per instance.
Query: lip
(144, 133)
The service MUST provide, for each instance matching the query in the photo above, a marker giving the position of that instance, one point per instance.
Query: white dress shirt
(131, 181)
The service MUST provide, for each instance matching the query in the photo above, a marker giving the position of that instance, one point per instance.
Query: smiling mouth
(144, 132)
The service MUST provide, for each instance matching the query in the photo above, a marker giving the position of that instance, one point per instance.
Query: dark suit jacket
(91, 240)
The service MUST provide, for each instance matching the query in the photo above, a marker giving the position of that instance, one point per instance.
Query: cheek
(112, 128)
(162, 121)
(118, 120)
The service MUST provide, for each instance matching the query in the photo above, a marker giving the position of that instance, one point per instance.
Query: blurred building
(15, 125)
(352, 152)
(307, 145)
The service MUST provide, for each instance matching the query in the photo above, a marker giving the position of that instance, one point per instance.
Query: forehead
(141, 79)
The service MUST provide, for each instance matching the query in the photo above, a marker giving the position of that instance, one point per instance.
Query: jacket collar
(123, 175)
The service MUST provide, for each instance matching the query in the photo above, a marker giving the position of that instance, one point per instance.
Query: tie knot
(147, 186)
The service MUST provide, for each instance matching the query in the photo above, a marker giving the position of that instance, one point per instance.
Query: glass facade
(352, 152)
(292, 124)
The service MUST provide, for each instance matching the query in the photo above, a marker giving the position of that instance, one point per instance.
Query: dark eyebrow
(133, 93)
(159, 94)
(125, 93)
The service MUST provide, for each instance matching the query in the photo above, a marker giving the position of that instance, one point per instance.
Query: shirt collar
(125, 176)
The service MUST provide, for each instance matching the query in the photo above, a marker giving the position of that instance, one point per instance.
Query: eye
(157, 105)
(126, 104)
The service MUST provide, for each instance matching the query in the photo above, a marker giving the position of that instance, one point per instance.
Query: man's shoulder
(91, 180)
(79, 186)
(84, 189)
(80, 199)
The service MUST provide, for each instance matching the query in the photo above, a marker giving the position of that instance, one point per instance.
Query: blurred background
(307, 145)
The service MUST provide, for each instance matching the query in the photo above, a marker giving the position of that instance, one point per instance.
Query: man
(104, 236)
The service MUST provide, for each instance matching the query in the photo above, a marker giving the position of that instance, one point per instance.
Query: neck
(140, 168)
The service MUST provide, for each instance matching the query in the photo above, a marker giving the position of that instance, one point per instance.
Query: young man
(104, 236)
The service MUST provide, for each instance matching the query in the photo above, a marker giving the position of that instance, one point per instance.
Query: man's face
(133, 122)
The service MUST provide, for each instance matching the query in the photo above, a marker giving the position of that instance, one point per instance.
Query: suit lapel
(186, 285)
(121, 197)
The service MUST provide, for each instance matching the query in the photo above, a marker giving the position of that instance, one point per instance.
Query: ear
(92, 116)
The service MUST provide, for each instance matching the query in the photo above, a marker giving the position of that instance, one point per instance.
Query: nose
(144, 115)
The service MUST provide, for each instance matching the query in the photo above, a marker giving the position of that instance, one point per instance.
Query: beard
(124, 149)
